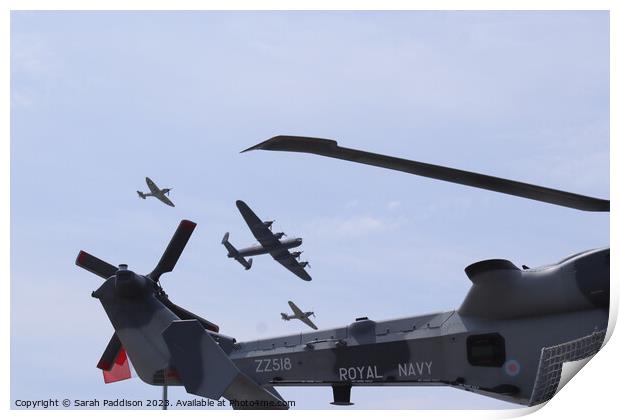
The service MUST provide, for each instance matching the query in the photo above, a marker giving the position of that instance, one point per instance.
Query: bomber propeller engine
(124, 287)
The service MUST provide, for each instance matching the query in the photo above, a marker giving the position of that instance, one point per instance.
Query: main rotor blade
(95, 265)
(172, 253)
(330, 148)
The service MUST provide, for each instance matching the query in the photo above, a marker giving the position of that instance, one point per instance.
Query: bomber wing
(261, 232)
(269, 241)
(290, 263)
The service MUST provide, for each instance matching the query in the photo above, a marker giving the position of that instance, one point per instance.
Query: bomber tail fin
(233, 253)
(141, 195)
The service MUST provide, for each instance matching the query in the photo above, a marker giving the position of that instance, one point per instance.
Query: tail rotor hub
(129, 284)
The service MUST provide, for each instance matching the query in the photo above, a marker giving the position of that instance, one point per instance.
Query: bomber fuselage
(260, 250)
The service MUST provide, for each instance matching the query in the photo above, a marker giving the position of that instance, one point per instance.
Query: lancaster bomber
(507, 340)
(269, 243)
(159, 193)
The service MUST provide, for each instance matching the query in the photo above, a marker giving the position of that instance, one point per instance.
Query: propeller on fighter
(129, 284)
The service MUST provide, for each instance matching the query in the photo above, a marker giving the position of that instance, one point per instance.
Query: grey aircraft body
(159, 193)
(300, 315)
(269, 243)
(507, 340)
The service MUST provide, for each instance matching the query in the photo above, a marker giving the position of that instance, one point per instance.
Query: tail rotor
(128, 284)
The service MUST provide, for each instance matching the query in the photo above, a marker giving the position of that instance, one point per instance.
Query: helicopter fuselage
(511, 347)
(493, 344)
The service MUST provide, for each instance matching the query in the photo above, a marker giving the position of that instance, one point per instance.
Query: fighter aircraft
(156, 192)
(269, 243)
(300, 315)
(507, 340)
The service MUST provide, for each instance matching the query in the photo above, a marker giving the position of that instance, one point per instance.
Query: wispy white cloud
(360, 226)
(23, 98)
(393, 205)
(355, 226)
(30, 57)
(32, 64)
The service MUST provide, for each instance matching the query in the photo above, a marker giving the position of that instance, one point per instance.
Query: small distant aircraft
(156, 192)
(270, 243)
(300, 315)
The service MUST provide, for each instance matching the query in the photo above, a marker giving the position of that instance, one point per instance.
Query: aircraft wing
(309, 323)
(154, 188)
(295, 309)
(162, 197)
(261, 232)
(290, 263)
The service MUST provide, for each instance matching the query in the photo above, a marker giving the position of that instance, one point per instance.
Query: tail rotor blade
(173, 251)
(110, 353)
(120, 369)
(95, 265)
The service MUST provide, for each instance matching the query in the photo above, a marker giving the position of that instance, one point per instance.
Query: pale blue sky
(99, 100)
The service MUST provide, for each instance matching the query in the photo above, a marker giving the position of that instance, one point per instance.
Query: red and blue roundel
(512, 367)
